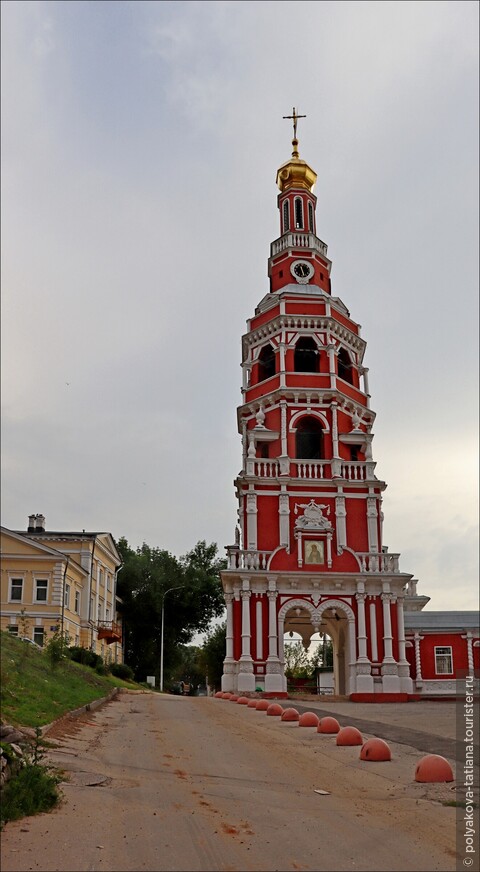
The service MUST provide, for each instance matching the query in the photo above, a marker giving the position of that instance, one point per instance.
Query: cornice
(302, 322)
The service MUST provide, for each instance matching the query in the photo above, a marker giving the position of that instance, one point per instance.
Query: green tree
(323, 655)
(190, 590)
(212, 655)
(297, 664)
(189, 668)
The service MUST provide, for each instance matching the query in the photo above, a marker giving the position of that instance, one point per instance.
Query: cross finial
(294, 118)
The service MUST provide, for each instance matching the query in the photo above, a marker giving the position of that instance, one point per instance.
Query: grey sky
(140, 147)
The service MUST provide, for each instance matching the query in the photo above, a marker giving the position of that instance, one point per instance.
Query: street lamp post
(161, 639)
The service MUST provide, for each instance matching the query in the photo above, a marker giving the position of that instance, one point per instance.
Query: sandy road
(171, 783)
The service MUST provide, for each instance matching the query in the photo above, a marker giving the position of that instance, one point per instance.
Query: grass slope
(33, 694)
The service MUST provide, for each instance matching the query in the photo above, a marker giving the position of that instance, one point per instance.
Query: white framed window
(77, 602)
(41, 590)
(16, 590)
(443, 660)
(109, 581)
(310, 217)
(66, 600)
(298, 204)
(13, 629)
(39, 636)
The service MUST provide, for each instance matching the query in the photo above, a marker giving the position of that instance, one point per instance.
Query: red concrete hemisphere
(290, 714)
(252, 703)
(275, 710)
(433, 768)
(349, 736)
(233, 697)
(218, 694)
(226, 695)
(308, 719)
(262, 705)
(242, 700)
(375, 749)
(328, 725)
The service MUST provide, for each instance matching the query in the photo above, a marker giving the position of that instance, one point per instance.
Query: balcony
(298, 240)
(311, 470)
(110, 631)
(374, 562)
(252, 560)
(371, 563)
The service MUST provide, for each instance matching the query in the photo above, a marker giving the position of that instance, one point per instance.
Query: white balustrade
(354, 471)
(376, 562)
(266, 468)
(252, 560)
(298, 240)
(309, 469)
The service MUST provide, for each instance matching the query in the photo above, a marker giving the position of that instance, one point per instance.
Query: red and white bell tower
(308, 553)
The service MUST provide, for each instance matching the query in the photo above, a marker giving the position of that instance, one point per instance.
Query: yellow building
(61, 580)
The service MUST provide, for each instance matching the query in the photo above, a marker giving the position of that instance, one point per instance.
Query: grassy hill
(34, 694)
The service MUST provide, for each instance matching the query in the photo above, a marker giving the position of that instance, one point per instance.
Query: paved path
(159, 783)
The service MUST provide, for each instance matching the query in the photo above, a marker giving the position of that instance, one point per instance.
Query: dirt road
(172, 783)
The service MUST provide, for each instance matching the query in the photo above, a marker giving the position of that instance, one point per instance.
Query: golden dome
(295, 173)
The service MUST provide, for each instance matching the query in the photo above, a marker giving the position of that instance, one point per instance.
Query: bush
(33, 790)
(121, 670)
(85, 656)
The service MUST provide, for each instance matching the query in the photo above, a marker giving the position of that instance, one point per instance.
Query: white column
(365, 384)
(469, 639)
(251, 521)
(229, 663)
(373, 632)
(387, 629)
(341, 516)
(259, 615)
(246, 632)
(229, 634)
(364, 683)
(283, 459)
(284, 518)
(272, 623)
(334, 429)
(274, 673)
(281, 363)
(372, 524)
(362, 629)
(418, 660)
(352, 656)
(245, 677)
(406, 683)
(331, 364)
(390, 679)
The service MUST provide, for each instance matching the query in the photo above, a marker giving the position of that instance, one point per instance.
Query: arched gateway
(308, 550)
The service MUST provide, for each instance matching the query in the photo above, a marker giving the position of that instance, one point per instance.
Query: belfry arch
(333, 617)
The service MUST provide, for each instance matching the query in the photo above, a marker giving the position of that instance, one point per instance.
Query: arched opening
(316, 649)
(310, 217)
(309, 439)
(298, 213)
(345, 367)
(286, 216)
(266, 363)
(306, 355)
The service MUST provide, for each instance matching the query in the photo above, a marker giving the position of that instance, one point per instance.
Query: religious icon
(314, 552)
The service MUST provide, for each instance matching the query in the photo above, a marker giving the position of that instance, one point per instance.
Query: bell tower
(309, 553)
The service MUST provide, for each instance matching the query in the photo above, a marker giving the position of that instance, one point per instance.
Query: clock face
(302, 271)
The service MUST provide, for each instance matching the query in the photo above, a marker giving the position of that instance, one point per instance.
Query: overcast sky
(140, 147)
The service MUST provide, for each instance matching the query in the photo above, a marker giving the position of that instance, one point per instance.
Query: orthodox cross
(294, 118)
